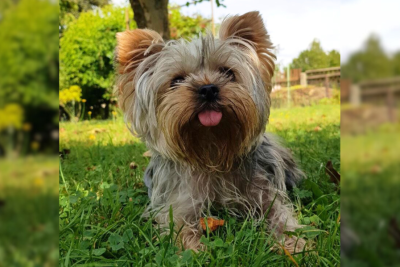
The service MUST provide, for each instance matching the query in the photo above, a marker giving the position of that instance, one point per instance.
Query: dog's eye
(177, 80)
(228, 73)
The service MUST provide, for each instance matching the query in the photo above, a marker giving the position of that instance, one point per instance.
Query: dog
(201, 107)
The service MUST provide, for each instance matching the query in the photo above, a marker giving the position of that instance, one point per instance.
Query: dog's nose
(209, 92)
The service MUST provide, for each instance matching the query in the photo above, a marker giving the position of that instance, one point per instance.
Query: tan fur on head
(133, 47)
(250, 28)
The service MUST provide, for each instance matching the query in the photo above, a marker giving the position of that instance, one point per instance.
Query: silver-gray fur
(259, 179)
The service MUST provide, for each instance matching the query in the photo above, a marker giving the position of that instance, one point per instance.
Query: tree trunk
(152, 14)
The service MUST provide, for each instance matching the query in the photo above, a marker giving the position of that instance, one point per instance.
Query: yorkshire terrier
(202, 107)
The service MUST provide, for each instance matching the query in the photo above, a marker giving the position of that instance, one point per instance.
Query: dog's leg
(186, 222)
(275, 171)
(281, 218)
(278, 212)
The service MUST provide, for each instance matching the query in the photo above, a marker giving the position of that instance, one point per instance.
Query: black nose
(209, 92)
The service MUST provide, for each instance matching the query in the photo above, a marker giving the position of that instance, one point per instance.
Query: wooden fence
(382, 92)
(318, 77)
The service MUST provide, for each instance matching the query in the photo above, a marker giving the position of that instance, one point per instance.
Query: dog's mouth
(210, 118)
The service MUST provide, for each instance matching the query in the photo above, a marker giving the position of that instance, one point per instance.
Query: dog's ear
(133, 48)
(250, 29)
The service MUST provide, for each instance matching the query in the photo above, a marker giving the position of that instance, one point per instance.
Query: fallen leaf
(147, 154)
(97, 130)
(376, 169)
(334, 176)
(394, 231)
(64, 152)
(212, 223)
(91, 168)
(2, 203)
(133, 166)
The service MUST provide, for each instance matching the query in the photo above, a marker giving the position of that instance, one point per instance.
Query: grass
(370, 189)
(102, 198)
(29, 211)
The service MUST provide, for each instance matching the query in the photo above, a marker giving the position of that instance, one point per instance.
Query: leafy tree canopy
(316, 58)
(70, 9)
(87, 47)
(29, 54)
(185, 26)
(371, 62)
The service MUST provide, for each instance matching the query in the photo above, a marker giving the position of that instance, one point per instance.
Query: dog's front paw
(190, 239)
(294, 244)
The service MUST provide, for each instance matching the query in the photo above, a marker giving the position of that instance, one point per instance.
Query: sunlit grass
(370, 189)
(102, 199)
(28, 211)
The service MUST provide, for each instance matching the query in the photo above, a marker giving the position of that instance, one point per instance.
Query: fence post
(303, 79)
(326, 86)
(390, 104)
(288, 85)
(355, 96)
(127, 19)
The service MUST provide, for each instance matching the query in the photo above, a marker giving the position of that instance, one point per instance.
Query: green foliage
(70, 9)
(396, 64)
(195, 2)
(87, 50)
(87, 47)
(29, 54)
(370, 63)
(316, 58)
(185, 26)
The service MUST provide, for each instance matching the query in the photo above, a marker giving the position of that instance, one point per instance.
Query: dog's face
(203, 102)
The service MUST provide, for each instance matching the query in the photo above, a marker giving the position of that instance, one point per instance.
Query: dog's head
(204, 102)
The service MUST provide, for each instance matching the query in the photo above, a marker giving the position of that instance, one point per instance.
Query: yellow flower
(92, 137)
(35, 145)
(38, 181)
(114, 113)
(26, 127)
(89, 112)
(271, 119)
(83, 100)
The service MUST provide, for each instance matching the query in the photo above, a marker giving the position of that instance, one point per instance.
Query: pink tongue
(210, 117)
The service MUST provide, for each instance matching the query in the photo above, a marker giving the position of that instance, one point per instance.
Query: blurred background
(56, 64)
(370, 145)
(29, 69)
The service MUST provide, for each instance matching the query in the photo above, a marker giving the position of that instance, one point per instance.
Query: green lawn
(29, 211)
(370, 193)
(102, 199)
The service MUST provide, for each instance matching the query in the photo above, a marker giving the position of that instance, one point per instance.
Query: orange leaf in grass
(213, 224)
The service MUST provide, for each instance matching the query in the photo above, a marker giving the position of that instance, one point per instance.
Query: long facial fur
(165, 116)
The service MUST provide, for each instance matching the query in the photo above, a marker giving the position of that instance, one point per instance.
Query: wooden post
(327, 86)
(288, 85)
(355, 95)
(390, 104)
(127, 18)
(303, 79)
(212, 17)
